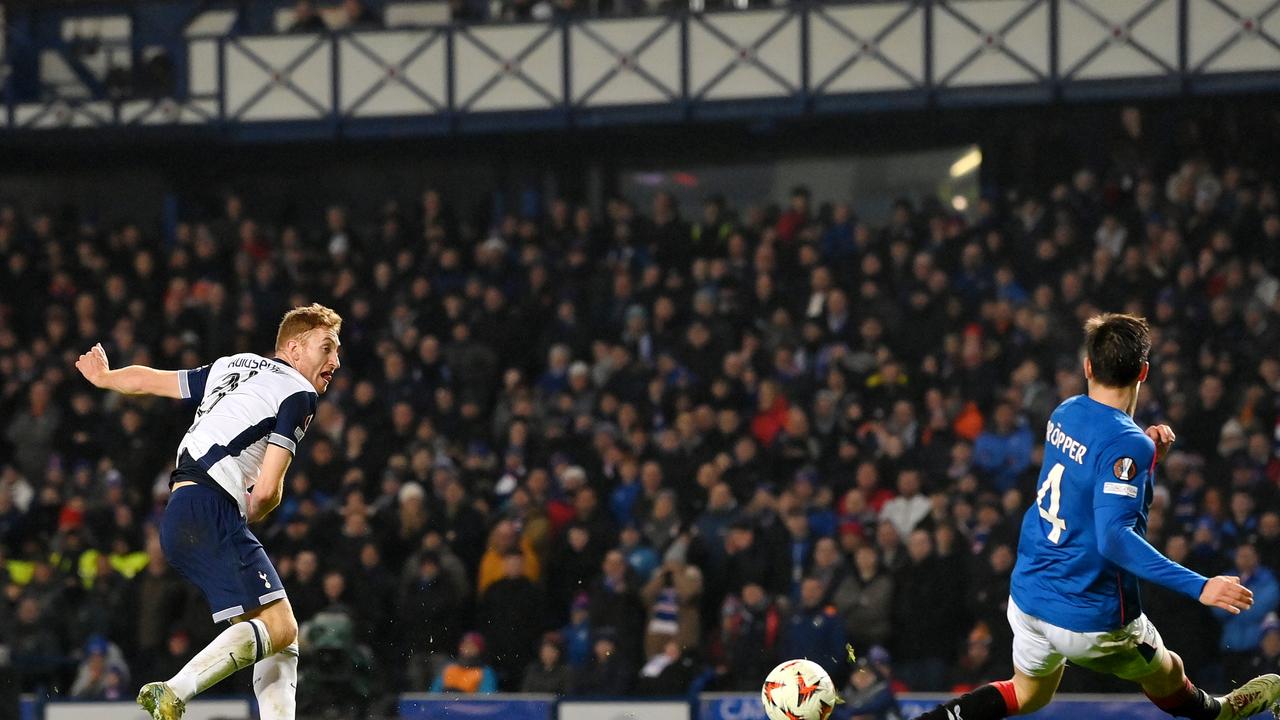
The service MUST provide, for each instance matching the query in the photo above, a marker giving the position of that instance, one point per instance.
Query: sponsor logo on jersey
(1115, 488)
(1126, 469)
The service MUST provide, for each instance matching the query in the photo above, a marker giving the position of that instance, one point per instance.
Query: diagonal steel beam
(1128, 26)
(400, 76)
(868, 49)
(1231, 40)
(284, 76)
(514, 64)
(1000, 32)
(635, 67)
(748, 55)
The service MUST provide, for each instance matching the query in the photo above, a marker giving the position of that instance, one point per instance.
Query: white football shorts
(1039, 648)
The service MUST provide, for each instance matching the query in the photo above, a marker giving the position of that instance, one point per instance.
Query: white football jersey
(244, 402)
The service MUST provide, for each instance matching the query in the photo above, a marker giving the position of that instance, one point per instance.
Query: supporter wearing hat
(467, 674)
(1267, 657)
(503, 371)
(577, 634)
(868, 693)
(103, 673)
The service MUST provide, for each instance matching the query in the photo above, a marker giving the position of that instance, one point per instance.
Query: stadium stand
(636, 450)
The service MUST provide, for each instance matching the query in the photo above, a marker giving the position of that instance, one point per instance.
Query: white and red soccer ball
(798, 690)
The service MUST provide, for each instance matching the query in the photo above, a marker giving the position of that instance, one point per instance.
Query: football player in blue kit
(251, 413)
(1083, 549)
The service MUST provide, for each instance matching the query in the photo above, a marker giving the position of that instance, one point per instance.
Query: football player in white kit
(251, 413)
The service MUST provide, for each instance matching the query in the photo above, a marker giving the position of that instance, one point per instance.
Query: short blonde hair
(304, 319)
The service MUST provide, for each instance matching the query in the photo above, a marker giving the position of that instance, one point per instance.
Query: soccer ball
(798, 690)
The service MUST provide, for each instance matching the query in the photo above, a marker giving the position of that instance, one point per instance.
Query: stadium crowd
(643, 450)
(309, 17)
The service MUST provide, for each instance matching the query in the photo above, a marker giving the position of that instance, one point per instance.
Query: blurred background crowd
(645, 448)
(309, 16)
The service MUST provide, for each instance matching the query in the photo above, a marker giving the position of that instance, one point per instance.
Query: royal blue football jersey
(1083, 546)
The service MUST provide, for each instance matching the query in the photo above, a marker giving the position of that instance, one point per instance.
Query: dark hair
(1117, 346)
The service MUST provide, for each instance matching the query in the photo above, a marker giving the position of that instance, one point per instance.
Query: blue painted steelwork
(808, 92)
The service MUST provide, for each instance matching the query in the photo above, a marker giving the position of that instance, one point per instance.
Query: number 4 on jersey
(1053, 486)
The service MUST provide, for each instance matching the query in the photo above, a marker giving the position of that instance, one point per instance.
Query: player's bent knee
(1169, 677)
(1035, 692)
(288, 630)
(282, 626)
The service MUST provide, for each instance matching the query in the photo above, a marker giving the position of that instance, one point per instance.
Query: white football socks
(239, 646)
(275, 683)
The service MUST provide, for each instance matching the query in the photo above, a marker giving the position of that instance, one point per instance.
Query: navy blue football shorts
(208, 542)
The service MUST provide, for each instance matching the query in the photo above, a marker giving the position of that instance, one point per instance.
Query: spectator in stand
(814, 630)
(1268, 540)
(1004, 451)
(578, 633)
(305, 20)
(467, 674)
(799, 549)
(978, 665)
(360, 16)
(34, 648)
(1267, 658)
(750, 637)
(1242, 633)
(503, 542)
(177, 653)
(796, 218)
(468, 11)
(607, 673)
(910, 506)
(925, 643)
(673, 596)
(511, 613)
(548, 673)
(430, 614)
(988, 602)
(103, 673)
(668, 673)
(615, 604)
(864, 601)
(305, 591)
(641, 558)
(31, 433)
(754, 386)
(867, 695)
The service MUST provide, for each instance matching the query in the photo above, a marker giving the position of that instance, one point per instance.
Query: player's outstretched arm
(1119, 543)
(1225, 592)
(269, 489)
(1119, 498)
(131, 380)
